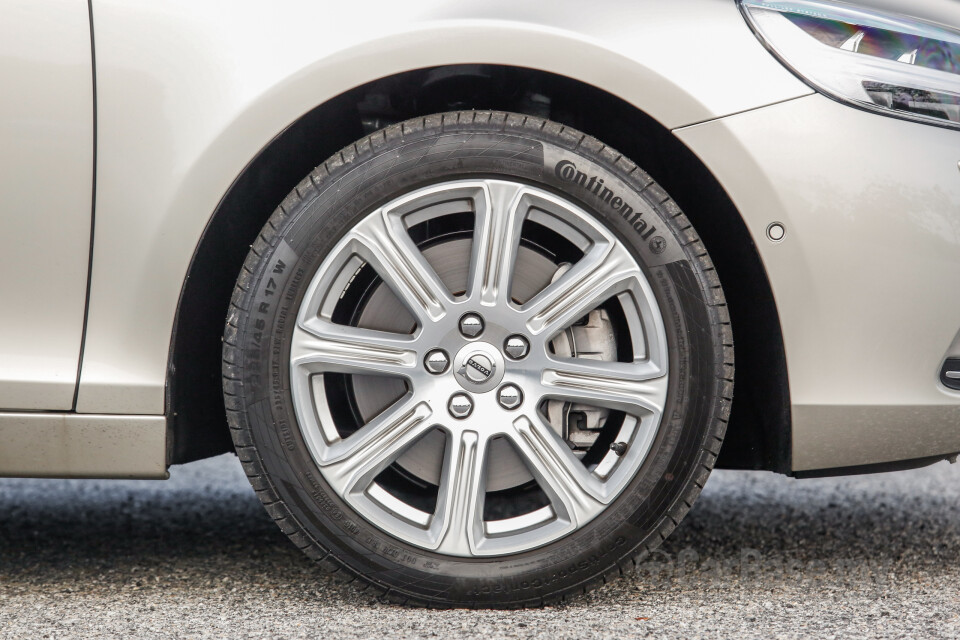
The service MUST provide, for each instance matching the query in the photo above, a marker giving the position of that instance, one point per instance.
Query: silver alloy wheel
(635, 386)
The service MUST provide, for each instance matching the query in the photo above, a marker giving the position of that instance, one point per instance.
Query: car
(463, 285)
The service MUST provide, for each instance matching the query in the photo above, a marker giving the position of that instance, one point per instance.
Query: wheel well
(758, 434)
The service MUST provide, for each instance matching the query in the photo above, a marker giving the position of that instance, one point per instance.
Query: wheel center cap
(478, 367)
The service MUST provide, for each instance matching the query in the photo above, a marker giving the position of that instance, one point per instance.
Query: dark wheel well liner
(758, 436)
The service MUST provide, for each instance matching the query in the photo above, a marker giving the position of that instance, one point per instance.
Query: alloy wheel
(479, 367)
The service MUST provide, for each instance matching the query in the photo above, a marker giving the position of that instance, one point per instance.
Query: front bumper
(867, 277)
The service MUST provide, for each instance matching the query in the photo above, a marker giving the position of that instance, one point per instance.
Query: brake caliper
(592, 337)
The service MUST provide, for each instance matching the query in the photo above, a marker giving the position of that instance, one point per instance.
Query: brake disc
(384, 311)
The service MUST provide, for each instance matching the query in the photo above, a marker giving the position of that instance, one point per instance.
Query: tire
(633, 382)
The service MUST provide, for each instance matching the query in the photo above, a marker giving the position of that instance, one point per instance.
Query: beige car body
(187, 94)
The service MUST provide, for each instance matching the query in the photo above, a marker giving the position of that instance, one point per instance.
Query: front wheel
(478, 359)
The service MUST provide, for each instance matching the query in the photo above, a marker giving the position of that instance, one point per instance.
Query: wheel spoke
(321, 346)
(635, 388)
(459, 515)
(352, 464)
(496, 239)
(575, 494)
(602, 272)
(383, 241)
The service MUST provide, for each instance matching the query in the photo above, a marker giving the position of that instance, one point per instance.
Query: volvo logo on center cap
(477, 368)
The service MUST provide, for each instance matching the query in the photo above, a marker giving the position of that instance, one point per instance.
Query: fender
(189, 92)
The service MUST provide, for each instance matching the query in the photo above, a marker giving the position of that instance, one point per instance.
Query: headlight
(884, 62)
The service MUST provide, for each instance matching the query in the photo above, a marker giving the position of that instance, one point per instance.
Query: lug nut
(471, 325)
(510, 396)
(460, 405)
(436, 361)
(516, 347)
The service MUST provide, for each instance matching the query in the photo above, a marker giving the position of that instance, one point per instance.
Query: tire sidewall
(351, 187)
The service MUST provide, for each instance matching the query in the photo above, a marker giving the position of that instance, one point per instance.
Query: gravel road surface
(759, 556)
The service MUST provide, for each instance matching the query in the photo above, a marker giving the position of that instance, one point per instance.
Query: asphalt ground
(759, 556)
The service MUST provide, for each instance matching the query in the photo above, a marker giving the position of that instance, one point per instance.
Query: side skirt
(70, 445)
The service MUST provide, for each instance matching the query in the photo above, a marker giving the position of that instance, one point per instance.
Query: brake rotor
(384, 311)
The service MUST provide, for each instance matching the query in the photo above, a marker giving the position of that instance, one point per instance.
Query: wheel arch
(759, 432)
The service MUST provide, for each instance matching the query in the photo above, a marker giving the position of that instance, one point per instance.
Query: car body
(145, 144)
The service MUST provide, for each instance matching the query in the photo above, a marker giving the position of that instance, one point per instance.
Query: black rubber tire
(400, 158)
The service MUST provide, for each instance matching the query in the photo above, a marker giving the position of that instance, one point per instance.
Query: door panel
(46, 177)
